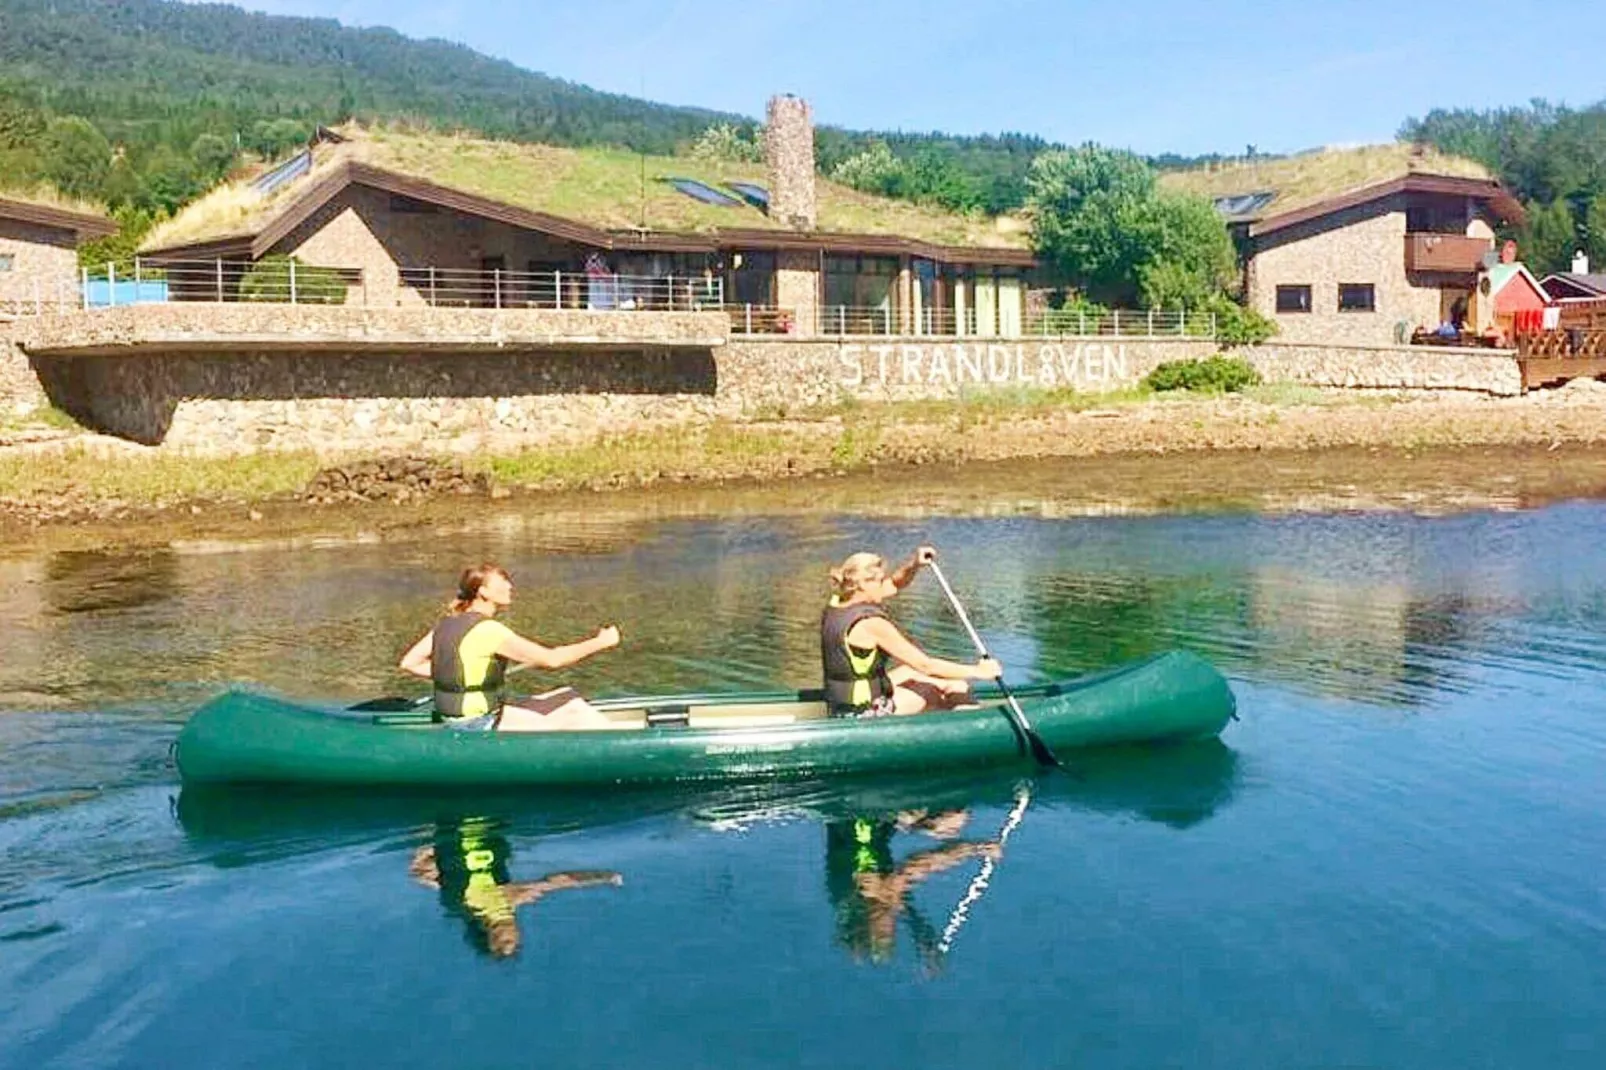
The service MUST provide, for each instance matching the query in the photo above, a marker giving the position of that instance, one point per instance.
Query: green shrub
(1237, 325)
(269, 281)
(1217, 375)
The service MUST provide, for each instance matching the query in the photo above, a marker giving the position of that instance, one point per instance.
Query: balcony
(1445, 253)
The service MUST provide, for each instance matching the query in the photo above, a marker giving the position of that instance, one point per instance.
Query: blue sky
(1157, 76)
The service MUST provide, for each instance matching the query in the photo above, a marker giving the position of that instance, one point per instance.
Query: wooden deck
(1549, 358)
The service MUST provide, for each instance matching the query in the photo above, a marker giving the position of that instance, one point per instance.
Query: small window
(1293, 299)
(7, 262)
(1356, 297)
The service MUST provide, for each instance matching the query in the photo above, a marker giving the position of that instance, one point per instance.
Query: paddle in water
(1040, 750)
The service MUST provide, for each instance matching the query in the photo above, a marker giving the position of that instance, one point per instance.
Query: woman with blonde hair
(871, 668)
(467, 657)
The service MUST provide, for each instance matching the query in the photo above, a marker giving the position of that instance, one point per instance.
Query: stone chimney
(1580, 263)
(789, 150)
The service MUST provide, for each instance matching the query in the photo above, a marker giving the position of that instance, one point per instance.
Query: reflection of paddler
(870, 889)
(468, 864)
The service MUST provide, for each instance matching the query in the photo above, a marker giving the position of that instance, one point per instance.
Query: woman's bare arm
(881, 632)
(524, 651)
(417, 658)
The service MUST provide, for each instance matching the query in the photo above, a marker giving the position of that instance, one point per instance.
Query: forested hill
(1552, 157)
(128, 64)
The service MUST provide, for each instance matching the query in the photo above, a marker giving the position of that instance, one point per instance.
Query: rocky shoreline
(764, 451)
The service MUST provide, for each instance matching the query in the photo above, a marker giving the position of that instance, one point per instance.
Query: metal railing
(1115, 323)
(761, 319)
(595, 291)
(40, 294)
(278, 281)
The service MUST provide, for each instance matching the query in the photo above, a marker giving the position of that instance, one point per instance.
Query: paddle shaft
(1040, 749)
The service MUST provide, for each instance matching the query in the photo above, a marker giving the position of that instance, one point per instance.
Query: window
(1356, 297)
(700, 191)
(7, 262)
(1293, 299)
(755, 195)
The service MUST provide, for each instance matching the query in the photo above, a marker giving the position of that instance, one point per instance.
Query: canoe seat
(732, 715)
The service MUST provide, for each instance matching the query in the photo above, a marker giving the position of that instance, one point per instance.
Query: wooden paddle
(1017, 716)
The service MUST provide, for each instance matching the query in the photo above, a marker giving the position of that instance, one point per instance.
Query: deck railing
(1115, 323)
(152, 280)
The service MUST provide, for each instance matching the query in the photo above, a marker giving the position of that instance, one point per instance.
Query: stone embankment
(396, 479)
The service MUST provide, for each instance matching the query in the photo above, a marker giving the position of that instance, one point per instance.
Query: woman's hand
(926, 555)
(988, 669)
(607, 638)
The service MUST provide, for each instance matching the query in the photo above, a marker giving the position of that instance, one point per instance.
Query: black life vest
(854, 677)
(457, 673)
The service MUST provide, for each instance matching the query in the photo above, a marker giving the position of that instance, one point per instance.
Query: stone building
(39, 252)
(414, 219)
(1363, 247)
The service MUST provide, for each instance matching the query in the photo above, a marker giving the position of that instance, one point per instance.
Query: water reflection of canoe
(1177, 785)
(244, 738)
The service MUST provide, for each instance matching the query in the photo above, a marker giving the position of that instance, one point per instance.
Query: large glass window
(860, 293)
(752, 278)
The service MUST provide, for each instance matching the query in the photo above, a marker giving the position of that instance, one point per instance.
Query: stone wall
(20, 392)
(247, 326)
(789, 151)
(343, 379)
(334, 402)
(1487, 371)
(1365, 244)
(797, 287)
(766, 376)
(37, 264)
(362, 228)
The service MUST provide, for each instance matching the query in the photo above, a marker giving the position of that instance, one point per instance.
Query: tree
(77, 157)
(1092, 219)
(1595, 225)
(727, 141)
(212, 155)
(1191, 258)
(875, 170)
(270, 280)
(1550, 237)
(171, 179)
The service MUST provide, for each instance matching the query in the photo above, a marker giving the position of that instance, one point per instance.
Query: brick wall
(1363, 245)
(43, 264)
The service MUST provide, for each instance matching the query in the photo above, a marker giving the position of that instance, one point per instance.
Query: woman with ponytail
(467, 657)
(871, 668)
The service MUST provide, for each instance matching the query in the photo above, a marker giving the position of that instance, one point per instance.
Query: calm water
(1393, 859)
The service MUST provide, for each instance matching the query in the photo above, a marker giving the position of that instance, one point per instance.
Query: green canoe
(251, 738)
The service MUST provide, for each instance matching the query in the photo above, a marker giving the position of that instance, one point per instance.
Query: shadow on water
(86, 581)
(881, 838)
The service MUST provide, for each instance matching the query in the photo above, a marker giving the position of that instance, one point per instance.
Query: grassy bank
(84, 479)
